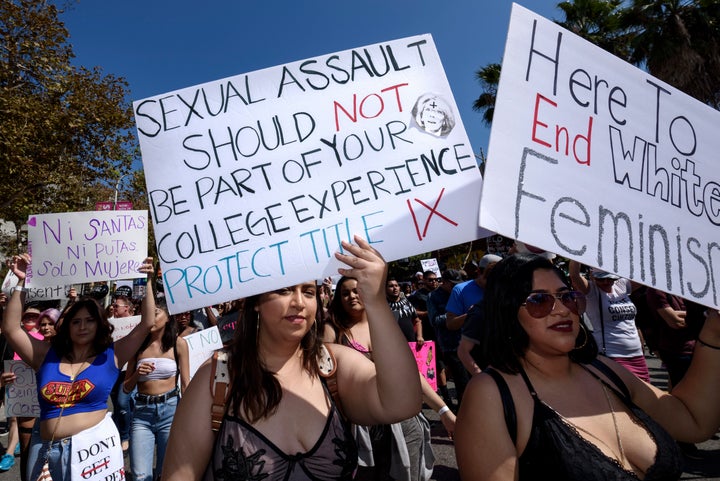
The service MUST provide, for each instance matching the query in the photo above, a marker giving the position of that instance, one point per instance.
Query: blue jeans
(122, 407)
(58, 460)
(150, 427)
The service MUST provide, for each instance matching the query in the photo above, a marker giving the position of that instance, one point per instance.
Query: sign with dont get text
(254, 180)
(596, 160)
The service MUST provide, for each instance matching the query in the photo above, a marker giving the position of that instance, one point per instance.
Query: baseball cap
(488, 259)
(600, 274)
(452, 275)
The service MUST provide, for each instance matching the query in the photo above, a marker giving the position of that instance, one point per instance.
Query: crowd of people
(318, 380)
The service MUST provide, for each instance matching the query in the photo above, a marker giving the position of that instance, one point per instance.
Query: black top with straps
(556, 450)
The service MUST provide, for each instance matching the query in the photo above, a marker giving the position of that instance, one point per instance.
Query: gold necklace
(621, 456)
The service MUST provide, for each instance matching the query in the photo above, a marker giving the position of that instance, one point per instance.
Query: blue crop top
(88, 393)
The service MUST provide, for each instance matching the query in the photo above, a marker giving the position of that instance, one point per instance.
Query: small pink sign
(425, 359)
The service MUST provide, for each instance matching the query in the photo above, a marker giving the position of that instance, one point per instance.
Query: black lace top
(557, 450)
(243, 453)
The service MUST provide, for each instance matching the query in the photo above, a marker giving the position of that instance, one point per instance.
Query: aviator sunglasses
(541, 304)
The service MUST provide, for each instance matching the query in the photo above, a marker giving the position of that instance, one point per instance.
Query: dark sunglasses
(541, 304)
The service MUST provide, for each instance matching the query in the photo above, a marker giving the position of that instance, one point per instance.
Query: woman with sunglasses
(612, 315)
(549, 408)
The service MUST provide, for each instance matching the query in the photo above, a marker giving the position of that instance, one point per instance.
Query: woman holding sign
(75, 437)
(400, 451)
(287, 392)
(550, 408)
(155, 370)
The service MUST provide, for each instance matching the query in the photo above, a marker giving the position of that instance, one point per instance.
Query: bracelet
(19, 289)
(443, 410)
(717, 348)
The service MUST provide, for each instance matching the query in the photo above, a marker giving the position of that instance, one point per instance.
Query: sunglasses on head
(541, 304)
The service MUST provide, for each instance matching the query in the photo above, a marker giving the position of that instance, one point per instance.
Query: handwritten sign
(430, 265)
(201, 346)
(79, 247)
(123, 326)
(97, 453)
(35, 294)
(272, 169)
(21, 396)
(596, 160)
(426, 362)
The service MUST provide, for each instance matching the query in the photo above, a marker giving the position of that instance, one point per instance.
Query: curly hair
(62, 343)
(254, 388)
(503, 340)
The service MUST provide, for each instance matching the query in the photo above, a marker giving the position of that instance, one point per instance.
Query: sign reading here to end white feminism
(77, 247)
(254, 180)
(596, 160)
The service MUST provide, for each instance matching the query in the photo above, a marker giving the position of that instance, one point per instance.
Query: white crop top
(164, 368)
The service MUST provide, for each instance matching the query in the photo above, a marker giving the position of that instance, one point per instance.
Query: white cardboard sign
(21, 396)
(78, 247)
(596, 160)
(201, 346)
(270, 170)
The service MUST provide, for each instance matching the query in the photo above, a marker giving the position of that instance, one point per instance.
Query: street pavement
(704, 466)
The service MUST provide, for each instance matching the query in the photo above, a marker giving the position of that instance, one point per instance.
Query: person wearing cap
(469, 292)
(447, 340)
(612, 314)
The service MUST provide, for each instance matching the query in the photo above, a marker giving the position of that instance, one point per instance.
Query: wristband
(443, 410)
(19, 289)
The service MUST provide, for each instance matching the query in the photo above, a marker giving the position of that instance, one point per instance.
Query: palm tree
(489, 78)
(678, 41)
(597, 21)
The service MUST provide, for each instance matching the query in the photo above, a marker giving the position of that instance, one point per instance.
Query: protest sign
(35, 294)
(201, 346)
(596, 160)
(123, 326)
(425, 359)
(272, 169)
(21, 396)
(77, 247)
(430, 265)
(96, 453)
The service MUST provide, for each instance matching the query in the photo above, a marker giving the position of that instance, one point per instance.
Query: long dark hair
(254, 388)
(504, 341)
(339, 317)
(62, 343)
(169, 335)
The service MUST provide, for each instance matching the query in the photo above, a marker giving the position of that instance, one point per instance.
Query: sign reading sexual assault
(77, 247)
(596, 160)
(254, 180)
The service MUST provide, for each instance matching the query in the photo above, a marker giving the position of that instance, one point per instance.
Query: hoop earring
(585, 340)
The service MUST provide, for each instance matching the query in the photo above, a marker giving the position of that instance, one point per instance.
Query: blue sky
(163, 45)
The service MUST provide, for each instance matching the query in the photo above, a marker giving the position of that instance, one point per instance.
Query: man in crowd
(469, 292)
(404, 312)
(447, 340)
(419, 300)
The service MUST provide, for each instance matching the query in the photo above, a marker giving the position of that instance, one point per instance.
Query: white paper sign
(123, 326)
(596, 160)
(272, 169)
(36, 294)
(201, 346)
(21, 396)
(77, 247)
(430, 265)
(97, 453)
